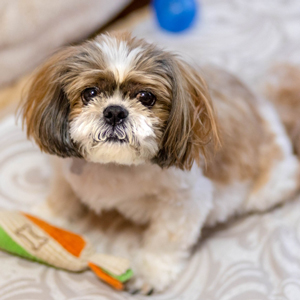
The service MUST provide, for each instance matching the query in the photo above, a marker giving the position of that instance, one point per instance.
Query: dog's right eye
(88, 94)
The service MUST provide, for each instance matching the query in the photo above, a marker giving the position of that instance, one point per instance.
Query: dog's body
(175, 192)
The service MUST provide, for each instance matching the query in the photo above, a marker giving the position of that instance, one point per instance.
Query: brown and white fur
(197, 156)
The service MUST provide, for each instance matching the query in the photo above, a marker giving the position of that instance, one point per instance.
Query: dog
(135, 128)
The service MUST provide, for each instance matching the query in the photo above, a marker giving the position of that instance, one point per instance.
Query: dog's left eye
(146, 98)
(88, 94)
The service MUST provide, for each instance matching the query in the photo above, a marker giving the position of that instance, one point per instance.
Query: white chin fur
(120, 153)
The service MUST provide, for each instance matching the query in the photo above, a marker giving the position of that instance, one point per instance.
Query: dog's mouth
(115, 139)
(112, 135)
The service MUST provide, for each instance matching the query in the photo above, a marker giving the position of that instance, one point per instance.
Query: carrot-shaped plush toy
(37, 240)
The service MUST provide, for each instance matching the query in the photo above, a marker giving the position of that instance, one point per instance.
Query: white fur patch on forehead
(118, 57)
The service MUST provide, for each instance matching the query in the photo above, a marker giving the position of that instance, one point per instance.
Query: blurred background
(242, 36)
(256, 257)
(32, 30)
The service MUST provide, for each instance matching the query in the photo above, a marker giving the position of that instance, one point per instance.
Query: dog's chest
(122, 187)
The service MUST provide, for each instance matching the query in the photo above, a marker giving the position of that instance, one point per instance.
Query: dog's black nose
(115, 114)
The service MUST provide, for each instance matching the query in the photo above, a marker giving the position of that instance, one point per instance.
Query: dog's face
(118, 99)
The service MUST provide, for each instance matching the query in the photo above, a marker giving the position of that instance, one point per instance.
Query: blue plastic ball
(175, 15)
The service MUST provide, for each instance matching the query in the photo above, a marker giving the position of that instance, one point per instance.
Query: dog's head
(119, 99)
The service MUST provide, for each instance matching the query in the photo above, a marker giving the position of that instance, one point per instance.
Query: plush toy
(34, 239)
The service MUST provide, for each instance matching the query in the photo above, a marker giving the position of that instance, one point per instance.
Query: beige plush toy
(37, 240)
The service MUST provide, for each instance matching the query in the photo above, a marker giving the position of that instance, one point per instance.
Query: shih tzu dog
(137, 129)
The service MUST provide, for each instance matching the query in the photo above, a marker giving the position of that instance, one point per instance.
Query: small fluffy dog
(136, 129)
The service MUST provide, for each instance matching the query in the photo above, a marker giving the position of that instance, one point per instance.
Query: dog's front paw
(154, 272)
(138, 285)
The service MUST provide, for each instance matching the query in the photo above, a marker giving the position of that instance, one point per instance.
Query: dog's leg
(278, 179)
(175, 227)
(282, 88)
(62, 200)
(62, 205)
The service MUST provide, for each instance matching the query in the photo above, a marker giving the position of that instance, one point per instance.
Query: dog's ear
(192, 124)
(45, 108)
